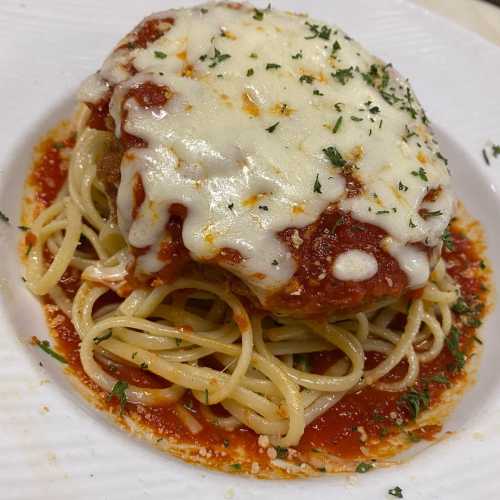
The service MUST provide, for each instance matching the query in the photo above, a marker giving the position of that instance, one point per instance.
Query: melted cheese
(256, 99)
(355, 265)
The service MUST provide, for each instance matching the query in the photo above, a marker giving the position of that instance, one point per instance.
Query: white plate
(52, 445)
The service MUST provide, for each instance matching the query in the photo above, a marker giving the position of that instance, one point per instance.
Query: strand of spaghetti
(288, 332)
(433, 294)
(289, 389)
(411, 374)
(446, 319)
(298, 347)
(80, 118)
(322, 402)
(78, 260)
(362, 330)
(401, 348)
(227, 423)
(438, 334)
(40, 282)
(61, 300)
(188, 419)
(254, 421)
(83, 306)
(35, 262)
(89, 148)
(180, 317)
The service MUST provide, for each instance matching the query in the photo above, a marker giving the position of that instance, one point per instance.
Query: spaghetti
(174, 329)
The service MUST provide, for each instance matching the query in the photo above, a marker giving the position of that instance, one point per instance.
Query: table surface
(475, 15)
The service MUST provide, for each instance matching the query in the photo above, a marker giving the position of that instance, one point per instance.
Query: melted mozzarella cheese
(267, 110)
(412, 261)
(355, 265)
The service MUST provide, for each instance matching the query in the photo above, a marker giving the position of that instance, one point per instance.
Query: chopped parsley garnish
(272, 128)
(4, 218)
(485, 156)
(402, 187)
(474, 322)
(263, 207)
(453, 344)
(217, 58)
(317, 185)
(374, 110)
(258, 15)
(230, 206)
(420, 173)
(281, 452)
(44, 345)
(441, 157)
(356, 119)
(396, 492)
(338, 123)
(306, 78)
(416, 401)
(274, 262)
(343, 75)
(436, 213)
(413, 437)
(440, 379)
(206, 396)
(272, 66)
(460, 306)
(298, 55)
(482, 265)
(338, 222)
(23, 228)
(317, 92)
(100, 338)
(335, 48)
(203, 10)
(143, 366)
(411, 224)
(448, 240)
(363, 467)
(477, 339)
(334, 156)
(338, 107)
(495, 151)
(160, 55)
(118, 391)
(253, 55)
(225, 443)
(235, 466)
(381, 212)
(250, 72)
(324, 32)
(302, 361)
